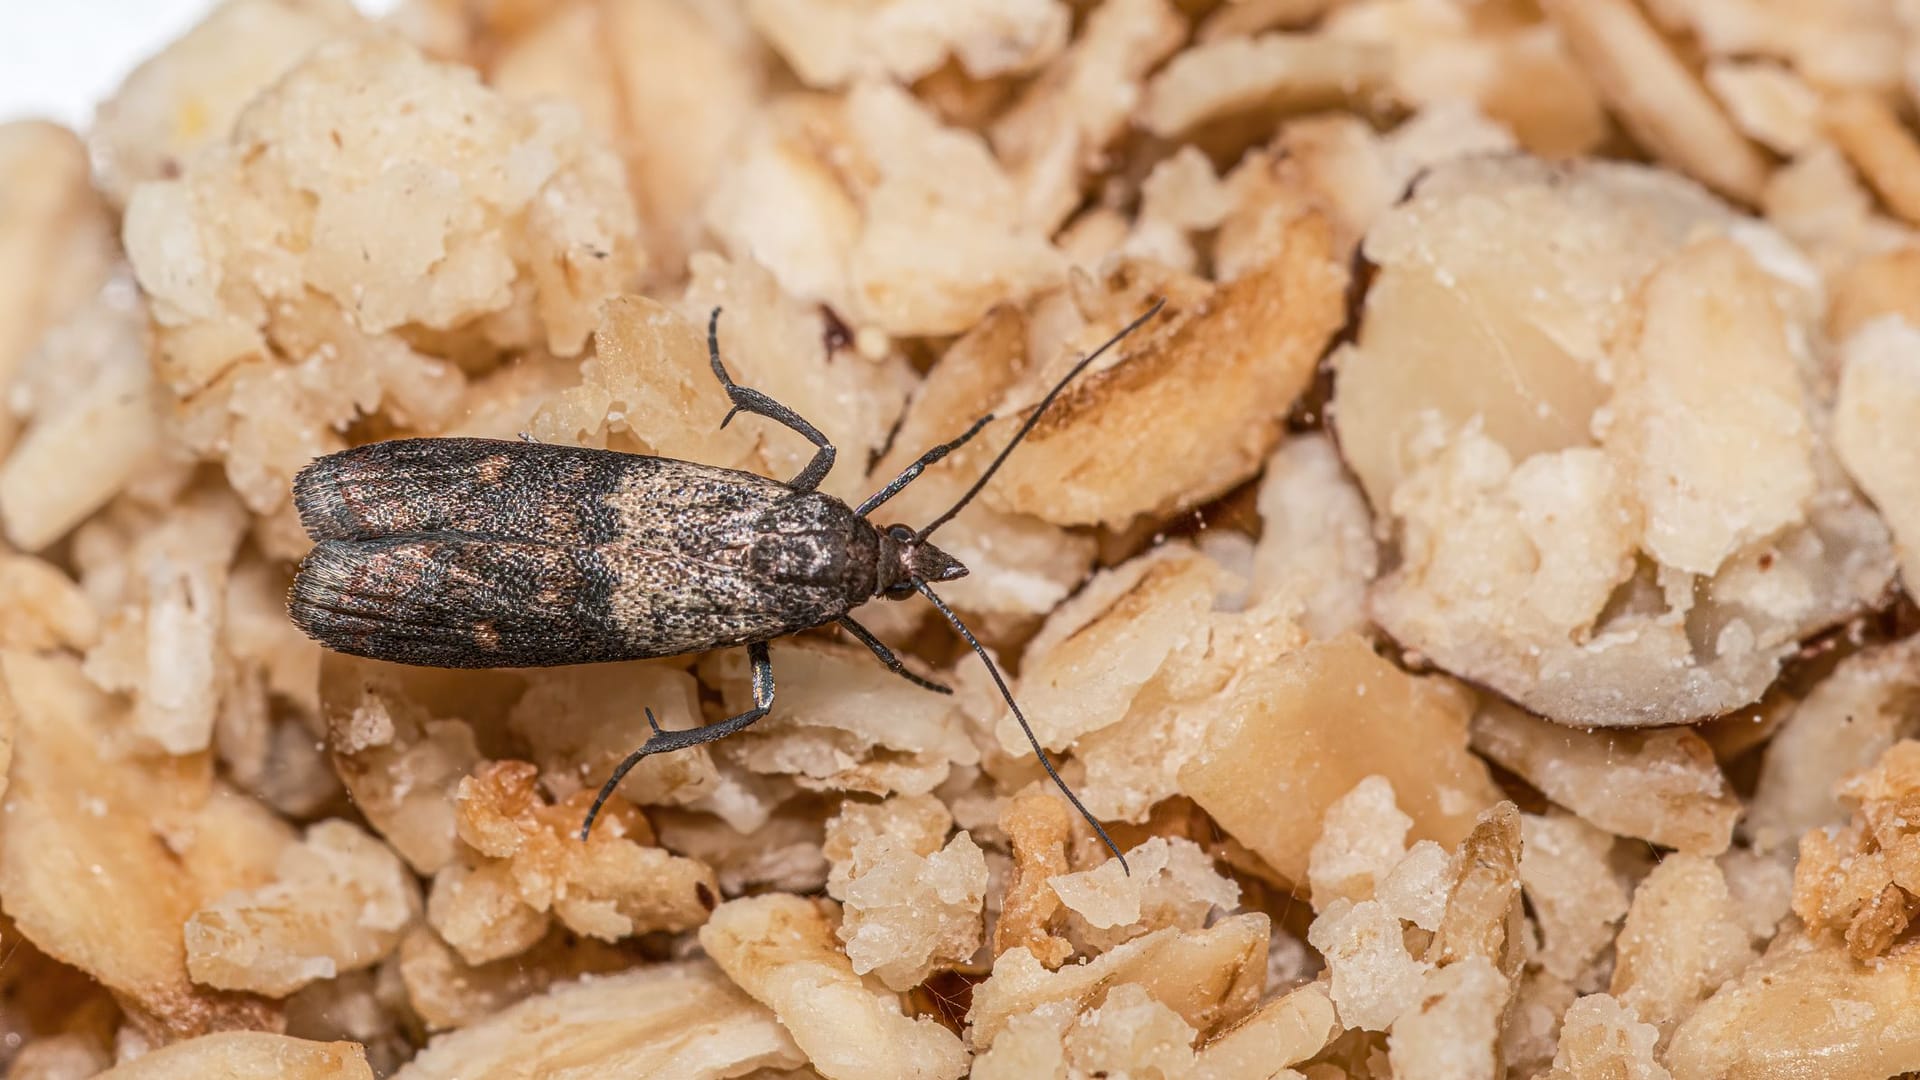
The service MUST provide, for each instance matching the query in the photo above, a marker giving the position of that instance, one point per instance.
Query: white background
(59, 58)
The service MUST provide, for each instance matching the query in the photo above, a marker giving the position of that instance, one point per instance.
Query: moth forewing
(475, 553)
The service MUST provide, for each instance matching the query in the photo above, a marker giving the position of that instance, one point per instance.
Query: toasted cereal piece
(1854, 881)
(1054, 137)
(1173, 883)
(477, 909)
(1363, 836)
(1876, 285)
(781, 950)
(845, 723)
(1516, 71)
(47, 609)
(830, 44)
(1761, 1022)
(399, 755)
(1245, 18)
(1373, 977)
(910, 904)
(1572, 891)
(1316, 537)
(1038, 831)
(579, 721)
(248, 1054)
(1842, 726)
(680, 1020)
(79, 839)
(1852, 43)
(1508, 513)
(445, 992)
(1713, 471)
(1273, 72)
(1483, 917)
(649, 389)
(1210, 977)
(1681, 940)
(1129, 1032)
(1655, 95)
(1660, 786)
(188, 95)
(1818, 202)
(781, 346)
(1454, 1028)
(163, 640)
(613, 885)
(269, 348)
(1022, 567)
(1292, 738)
(92, 419)
(910, 226)
(670, 85)
(1602, 1037)
(1286, 1030)
(1098, 651)
(56, 250)
(1141, 436)
(339, 903)
(1879, 396)
(1772, 106)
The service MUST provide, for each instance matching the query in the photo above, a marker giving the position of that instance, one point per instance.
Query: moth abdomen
(449, 600)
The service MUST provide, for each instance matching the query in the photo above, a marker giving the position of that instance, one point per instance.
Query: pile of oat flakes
(1474, 605)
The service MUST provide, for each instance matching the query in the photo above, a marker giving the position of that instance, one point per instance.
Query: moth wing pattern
(456, 601)
(487, 553)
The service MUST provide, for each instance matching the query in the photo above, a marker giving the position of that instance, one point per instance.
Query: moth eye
(900, 533)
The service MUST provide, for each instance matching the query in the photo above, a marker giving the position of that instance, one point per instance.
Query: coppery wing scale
(447, 600)
(532, 492)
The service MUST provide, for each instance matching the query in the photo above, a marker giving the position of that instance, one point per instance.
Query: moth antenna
(1038, 751)
(1032, 419)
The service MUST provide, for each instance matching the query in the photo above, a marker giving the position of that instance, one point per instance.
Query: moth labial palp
(485, 553)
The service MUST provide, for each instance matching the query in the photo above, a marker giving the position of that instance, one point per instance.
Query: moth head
(905, 559)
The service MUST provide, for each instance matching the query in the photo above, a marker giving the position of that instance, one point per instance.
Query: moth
(487, 553)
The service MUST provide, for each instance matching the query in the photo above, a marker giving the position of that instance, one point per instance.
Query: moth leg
(746, 399)
(886, 656)
(665, 742)
(912, 472)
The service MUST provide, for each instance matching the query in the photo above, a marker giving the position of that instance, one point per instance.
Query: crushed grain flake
(1681, 940)
(1570, 885)
(1857, 881)
(614, 885)
(782, 950)
(1842, 727)
(1601, 1037)
(1655, 96)
(79, 839)
(339, 902)
(1284, 1031)
(830, 43)
(1879, 397)
(911, 899)
(1279, 72)
(681, 1020)
(248, 1053)
(1211, 977)
(1454, 1028)
(1660, 786)
(1292, 738)
(1173, 883)
(1363, 836)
